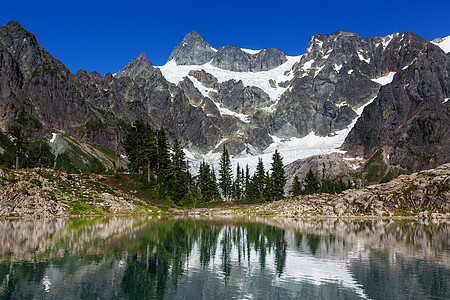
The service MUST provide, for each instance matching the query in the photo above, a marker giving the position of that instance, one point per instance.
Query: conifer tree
(225, 177)
(268, 191)
(296, 187)
(259, 179)
(19, 141)
(237, 188)
(278, 178)
(311, 183)
(178, 174)
(162, 154)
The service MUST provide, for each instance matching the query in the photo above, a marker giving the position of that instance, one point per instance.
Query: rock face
(235, 59)
(193, 50)
(331, 166)
(410, 116)
(323, 92)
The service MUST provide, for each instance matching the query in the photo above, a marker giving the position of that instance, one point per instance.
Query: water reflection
(170, 258)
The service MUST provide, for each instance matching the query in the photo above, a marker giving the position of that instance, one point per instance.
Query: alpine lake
(145, 257)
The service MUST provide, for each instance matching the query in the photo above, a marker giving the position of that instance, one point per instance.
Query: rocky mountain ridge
(251, 101)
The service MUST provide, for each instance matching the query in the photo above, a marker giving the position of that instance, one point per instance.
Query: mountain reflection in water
(182, 258)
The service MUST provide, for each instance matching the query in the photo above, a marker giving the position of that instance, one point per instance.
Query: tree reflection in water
(144, 258)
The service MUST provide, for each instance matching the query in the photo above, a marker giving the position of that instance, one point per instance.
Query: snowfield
(175, 73)
(444, 44)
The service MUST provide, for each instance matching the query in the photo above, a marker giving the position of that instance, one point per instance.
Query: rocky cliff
(246, 99)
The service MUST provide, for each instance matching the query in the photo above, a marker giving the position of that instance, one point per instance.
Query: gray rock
(193, 50)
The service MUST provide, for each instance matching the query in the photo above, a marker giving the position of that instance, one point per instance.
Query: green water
(181, 258)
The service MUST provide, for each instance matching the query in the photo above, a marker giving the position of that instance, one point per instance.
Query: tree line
(312, 185)
(17, 151)
(164, 169)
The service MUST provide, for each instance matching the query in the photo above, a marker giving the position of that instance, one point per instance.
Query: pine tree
(312, 185)
(225, 174)
(296, 187)
(278, 177)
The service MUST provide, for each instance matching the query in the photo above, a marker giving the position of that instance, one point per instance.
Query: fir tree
(268, 191)
(296, 187)
(312, 185)
(259, 178)
(19, 141)
(162, 154)
(178, 174)
(237, 187)
(225, 177)
(278, 178)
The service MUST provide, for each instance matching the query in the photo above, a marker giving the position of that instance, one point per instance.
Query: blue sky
(104, 35)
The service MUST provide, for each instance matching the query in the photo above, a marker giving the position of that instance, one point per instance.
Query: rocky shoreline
(39, 193)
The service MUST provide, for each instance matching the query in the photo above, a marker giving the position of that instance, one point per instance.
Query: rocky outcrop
(41, 192)
(332, 166)
(193, 50)
(410, 116)
(235, 59)
(425, 194)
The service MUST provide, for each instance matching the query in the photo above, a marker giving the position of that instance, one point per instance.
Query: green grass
(131, 184)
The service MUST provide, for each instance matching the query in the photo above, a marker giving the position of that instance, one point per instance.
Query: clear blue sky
(104, 35)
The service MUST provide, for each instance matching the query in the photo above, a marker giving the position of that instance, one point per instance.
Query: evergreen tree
(134, 146)
(296, 187)
(162, 154)
(207, 183)
(19, 141)
(213, 185)
(237, 187)
(259, 179)
(246, 181)
(278, 178)
(178, 175)
(312, 185)
(225, 177)
(268, 191)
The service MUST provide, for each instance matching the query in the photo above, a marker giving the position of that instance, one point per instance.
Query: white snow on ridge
(174, 73)
(444, 44)
(290, 150)
(385, 79)
(249, 51)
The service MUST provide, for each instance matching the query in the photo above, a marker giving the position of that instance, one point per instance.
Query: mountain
(252, 101)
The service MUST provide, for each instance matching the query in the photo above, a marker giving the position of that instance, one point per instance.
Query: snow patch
(361, 57)
(308, 64)
(337, 67)
(54, 135)
(249, 51)
(386, 41)
(444, 44)
(350, 72)
(341, 104)
(318, 70)
(175, 73)
(385, 79)
(445, 100)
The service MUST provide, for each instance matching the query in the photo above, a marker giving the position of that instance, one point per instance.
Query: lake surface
(200, 258)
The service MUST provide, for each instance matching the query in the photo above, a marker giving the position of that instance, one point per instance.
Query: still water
(181, 258)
